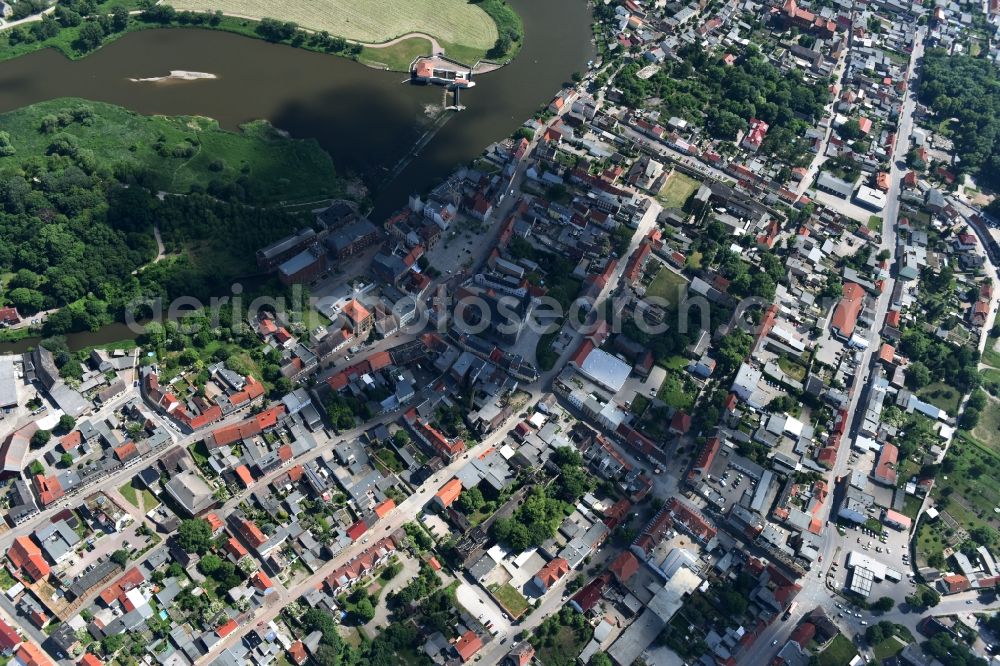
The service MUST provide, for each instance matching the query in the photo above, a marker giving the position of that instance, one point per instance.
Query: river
(367, 120)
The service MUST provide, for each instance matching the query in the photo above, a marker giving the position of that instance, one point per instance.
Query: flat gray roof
(8, 387)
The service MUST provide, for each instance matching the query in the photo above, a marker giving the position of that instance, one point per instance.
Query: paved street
(814, 591)
(410, 508)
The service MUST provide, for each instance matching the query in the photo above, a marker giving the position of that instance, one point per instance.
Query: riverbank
(76, 42)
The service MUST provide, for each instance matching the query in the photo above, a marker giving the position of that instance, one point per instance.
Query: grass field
(941, 395)
(990, 355)
(565, 647)
(149, 501)
(677, 190)
(665, 285)
(398, 56)
(370, 21)
(512, 600)
(180, 151)
(838, 653)
(875, 223)
(676, 391)
(128, 492)
(987, 430)
(794, 370)
(890, 647)
(967, 489)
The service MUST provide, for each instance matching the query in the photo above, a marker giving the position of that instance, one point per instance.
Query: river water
(367, 120)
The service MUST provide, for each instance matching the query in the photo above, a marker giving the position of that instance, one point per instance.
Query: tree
(969, 418)
(66, 459)
(90, 37)
(6, 147)
(918, 375)
(924, 597)
(120, 557)
(850, 130)
(195, 536)
(500, 47)
(883, 605)
(327, 655)
(401, 437)
(119, 18)
(874, 634)
(210, 564)
(600, 659)
(40, 438)
(470, 500)
(113, 643)
(983, 535)
(66, 423)
(364, 609)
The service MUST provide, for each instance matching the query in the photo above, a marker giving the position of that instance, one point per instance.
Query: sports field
(370, 21)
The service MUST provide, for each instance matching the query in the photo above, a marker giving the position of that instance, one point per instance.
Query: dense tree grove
(937, 360)
(74, 231)
(968, 89)
(701, 88)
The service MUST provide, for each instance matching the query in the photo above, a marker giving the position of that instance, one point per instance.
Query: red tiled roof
(214, 522)
(555, 569)
(236, 549)
(380, 360)
(681, 422)
(9, 638)
(30, 654)
(48, 488)
(251, 533)
(449, 492)
(582, 352)
(355, 311)
(129, 580)
(244, 475)
(253, 390)
(25, 555)
(71, 441)
(227, 628)
(887, 353)
(688, 517)
(591, 593)
(885, 468)
(356, 530)
(468, 645)
(297, 653)
(845, 317)
(248, 428)
(624, 566)
(126, 451)
(956, 583)
(261, 581)
(383, 509)
(803, 633)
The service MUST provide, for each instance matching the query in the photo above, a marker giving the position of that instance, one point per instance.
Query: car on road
(774, 642)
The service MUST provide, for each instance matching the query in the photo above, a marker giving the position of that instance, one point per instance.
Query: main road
(813, 586)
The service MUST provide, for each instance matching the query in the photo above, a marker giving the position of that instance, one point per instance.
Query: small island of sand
(177, 75)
